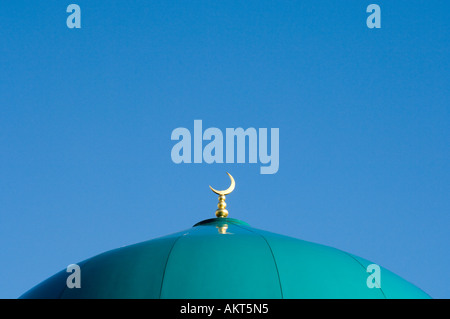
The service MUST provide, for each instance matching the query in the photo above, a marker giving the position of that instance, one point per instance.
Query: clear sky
(86, 117)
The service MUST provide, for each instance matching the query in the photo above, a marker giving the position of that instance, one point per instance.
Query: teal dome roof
(225, 258)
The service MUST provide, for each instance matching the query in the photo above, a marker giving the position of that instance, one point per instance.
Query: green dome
(225, 258)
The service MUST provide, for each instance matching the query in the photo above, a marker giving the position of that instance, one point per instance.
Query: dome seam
(273, 256)
(165, 265)
(348, 254)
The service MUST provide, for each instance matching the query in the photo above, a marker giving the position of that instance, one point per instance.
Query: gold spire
(221, 211)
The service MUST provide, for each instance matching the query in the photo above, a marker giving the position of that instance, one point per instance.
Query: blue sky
(86, 117)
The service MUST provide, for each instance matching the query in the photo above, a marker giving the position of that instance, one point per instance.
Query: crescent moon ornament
(221, 211)
(228, 190)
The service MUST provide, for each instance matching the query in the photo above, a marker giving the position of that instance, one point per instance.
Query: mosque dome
(225, 258)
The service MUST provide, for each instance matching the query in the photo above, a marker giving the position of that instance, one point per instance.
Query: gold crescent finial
(228, 190)
(221, 211)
